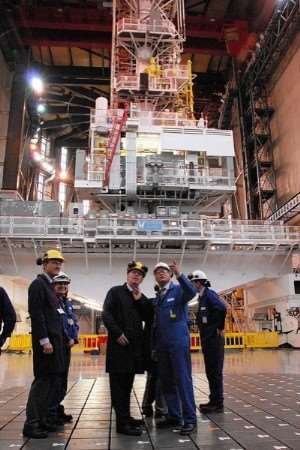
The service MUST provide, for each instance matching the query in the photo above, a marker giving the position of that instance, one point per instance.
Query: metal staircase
(113, 140)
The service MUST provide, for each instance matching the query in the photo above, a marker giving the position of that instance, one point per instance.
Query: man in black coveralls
(124, 311)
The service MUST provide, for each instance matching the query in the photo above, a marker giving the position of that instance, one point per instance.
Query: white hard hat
(62, 278)
(162, 265)
(197, 275)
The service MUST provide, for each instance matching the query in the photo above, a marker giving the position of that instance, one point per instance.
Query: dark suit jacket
(123, 314)
(46, 322)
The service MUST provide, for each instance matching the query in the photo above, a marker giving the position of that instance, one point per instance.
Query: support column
(14, 143)
(5, 86)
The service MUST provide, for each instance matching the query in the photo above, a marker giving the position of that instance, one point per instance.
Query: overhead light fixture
(41, 108)
(37, 85)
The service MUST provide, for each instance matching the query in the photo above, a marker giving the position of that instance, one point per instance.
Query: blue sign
(150, 225)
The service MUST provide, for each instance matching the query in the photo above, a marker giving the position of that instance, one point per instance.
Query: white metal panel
(213, 142)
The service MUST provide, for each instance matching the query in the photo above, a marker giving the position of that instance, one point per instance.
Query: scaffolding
(256, 111)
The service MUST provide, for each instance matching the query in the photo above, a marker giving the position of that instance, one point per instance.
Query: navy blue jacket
(70, 322)
(7, 316)
(211, 314)
(171, 316)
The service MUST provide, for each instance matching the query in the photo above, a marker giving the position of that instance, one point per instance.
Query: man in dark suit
(47, 344)
(7, 317)
(125, 308)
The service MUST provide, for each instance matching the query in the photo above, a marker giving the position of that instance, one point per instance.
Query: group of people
(144, 334)
(153, 334)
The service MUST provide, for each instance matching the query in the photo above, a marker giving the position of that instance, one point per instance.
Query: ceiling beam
(74, 71)
(59, 123)
(70, 100)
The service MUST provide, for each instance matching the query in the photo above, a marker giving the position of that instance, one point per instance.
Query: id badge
(172, 314)
(204, 319)
(60, 311)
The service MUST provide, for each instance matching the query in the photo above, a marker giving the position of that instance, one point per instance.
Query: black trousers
(42, 390)
(61, 388)
(153, 392)
(213, 352)
(120, 391)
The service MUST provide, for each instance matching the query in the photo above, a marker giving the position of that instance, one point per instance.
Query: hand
(48, 348)
(137, 293)
(175, 268)
(122, 340)
(71, 343)
(220, 332)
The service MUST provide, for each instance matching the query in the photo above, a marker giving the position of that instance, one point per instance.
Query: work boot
(211, 408)
(169, 422)
(135, 422)
(188, 428)
(49, 425)
(62, 415)
(34, 431)
(129, 430)
(147, 411)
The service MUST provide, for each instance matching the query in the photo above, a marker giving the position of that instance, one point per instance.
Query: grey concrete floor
(262, 406)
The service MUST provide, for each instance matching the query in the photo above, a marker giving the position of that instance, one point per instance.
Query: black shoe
(188, 428)
(210, 408)
(148, 411)
(169, 422)
(34, 432)
(66, 418)
(129, 430)
(49, 425)
(135, 422)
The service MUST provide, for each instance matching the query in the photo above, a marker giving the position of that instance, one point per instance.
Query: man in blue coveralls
(172, 345)
(210, 319)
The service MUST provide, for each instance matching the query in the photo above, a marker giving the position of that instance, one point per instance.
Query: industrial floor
(262, 406)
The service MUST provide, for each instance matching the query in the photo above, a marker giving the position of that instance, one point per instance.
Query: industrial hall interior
(149, 224)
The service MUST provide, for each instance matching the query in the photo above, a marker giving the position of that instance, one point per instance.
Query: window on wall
(62, 186)
(62, 196)
(40, 187)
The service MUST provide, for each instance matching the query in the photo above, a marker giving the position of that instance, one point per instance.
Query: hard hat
(162, 265)
(137, 265)
(50, 254)
(53, 254)
(197, 275)
(62, 278)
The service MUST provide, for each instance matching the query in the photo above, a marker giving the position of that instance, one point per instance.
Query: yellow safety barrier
(20, 343)
(234, 340)
(263, 339)
(90, 342)
(194, 342)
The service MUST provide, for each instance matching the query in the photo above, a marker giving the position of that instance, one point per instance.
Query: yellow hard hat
(53, 254)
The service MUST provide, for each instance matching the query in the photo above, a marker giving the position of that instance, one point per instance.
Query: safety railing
(87, 343)
(132, 25)
(218, 230)
(241, 340)
(97, 342)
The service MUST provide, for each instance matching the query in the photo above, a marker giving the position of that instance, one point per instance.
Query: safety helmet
(62, 278)
(197, 275)
(50, 254)
(137, 265)
(162, 265)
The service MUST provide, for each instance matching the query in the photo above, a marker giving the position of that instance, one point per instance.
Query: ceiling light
(37, 85)
(41, 108)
